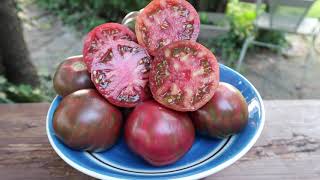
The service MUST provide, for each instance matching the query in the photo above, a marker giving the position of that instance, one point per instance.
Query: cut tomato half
(121, 73)
(164, 21)
(184, 76)
(102, 35)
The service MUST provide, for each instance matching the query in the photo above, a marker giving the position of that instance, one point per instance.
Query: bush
(241, 17)
(86, 14)
(10, 93)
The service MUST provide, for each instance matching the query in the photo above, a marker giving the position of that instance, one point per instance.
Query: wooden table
(289, 147)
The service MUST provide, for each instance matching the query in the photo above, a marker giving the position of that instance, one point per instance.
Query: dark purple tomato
(225, 114)
(84, 120)
(159, 135)
(71, 75)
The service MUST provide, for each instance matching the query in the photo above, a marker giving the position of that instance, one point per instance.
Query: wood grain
(289, 147)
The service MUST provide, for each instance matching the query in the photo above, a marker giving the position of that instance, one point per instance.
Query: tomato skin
(159, 135)
(71, 75)
(224, 115)
(86, 121)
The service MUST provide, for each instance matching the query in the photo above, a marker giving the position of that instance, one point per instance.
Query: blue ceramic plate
(207, 156)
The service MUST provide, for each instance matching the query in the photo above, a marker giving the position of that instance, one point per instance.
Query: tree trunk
(15, 63)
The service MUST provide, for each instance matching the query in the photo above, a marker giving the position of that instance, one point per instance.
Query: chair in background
(287, 16)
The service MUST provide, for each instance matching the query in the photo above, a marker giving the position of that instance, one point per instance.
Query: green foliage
(315, 10)
(273, 37)
(10, 93)
(241, 17)
(204, 19)
(87, 14)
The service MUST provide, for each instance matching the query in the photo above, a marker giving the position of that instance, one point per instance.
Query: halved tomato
(165, 21)
(184, 76)
(100, 36)
(121, 73)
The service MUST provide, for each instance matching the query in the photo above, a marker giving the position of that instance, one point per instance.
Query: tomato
(121, 73)
(225, 114)
(100, 36)
(184, 76)
(157, 134)
(86, 121)
(165, 21)
(71, 75)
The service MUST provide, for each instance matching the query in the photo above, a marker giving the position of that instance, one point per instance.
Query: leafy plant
(85, 15)
(205, 19)
(241, 17)
(10, 93)
(228, 46)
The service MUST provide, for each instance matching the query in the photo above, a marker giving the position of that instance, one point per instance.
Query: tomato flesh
(184, 76)
(102, 35)
(165, 21)
(121, 73)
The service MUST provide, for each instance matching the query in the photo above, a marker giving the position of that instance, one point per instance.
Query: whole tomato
(159, 135)
(71, 75)
(225, 114)
(84, 120)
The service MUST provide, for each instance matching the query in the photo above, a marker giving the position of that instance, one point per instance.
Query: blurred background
(36, 35)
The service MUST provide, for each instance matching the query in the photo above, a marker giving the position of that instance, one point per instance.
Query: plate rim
(191, 177)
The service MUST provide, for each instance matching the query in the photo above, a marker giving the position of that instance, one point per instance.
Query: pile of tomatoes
(158, 85)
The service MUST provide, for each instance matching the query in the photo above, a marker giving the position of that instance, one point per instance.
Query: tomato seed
(176, 52)
(104, 84)
(101, 77)
(164, 25)
(145, 38)
(167, 53)
(175, 8)
(183, 12)
(128, 98)
(143, 28)
(114, 31)
(162, 42)
(93, 46)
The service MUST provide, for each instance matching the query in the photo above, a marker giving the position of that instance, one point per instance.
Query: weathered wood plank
(289, 147)
(25, 152)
